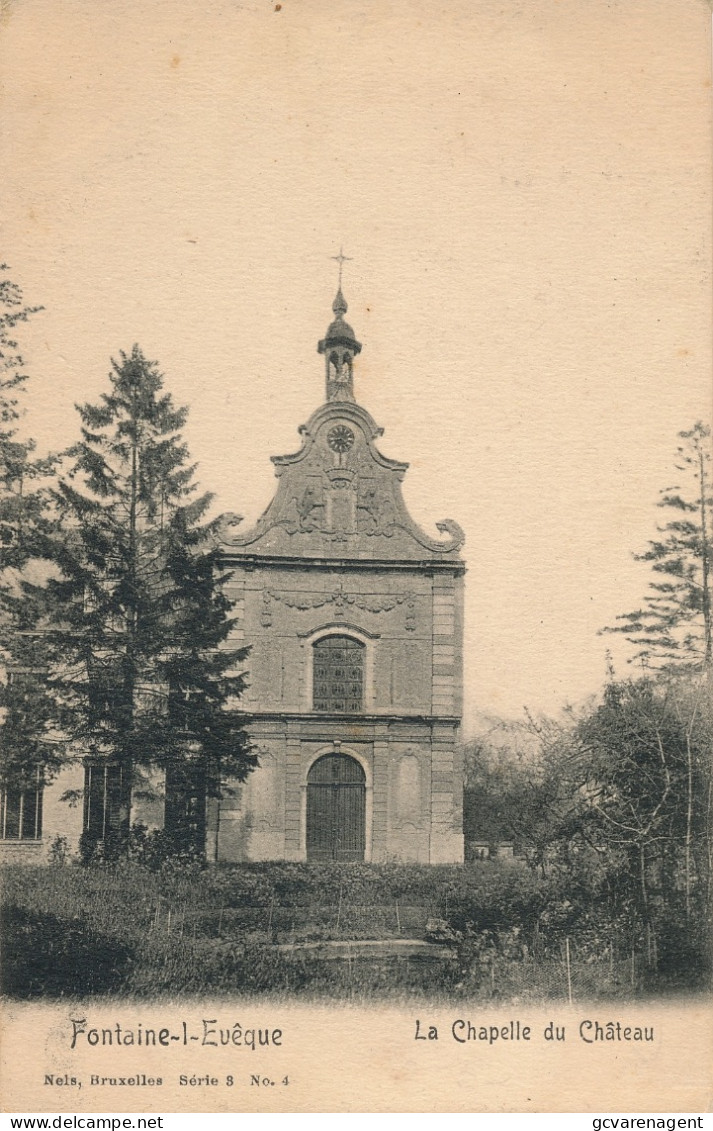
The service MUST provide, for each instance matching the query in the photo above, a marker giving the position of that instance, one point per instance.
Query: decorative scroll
(447, 526)
(377, 516)
(227, 527)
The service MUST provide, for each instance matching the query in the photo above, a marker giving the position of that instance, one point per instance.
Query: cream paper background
(525, 190)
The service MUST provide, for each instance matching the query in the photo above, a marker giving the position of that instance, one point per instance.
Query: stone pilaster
(294, 803)
(444, 645)
(380, 801)
(446, 790)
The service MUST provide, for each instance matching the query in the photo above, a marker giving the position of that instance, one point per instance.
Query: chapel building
(354, 620)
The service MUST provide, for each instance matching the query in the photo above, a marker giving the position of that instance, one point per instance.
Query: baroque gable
(338, 496)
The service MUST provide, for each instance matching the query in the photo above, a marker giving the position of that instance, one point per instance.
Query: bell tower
(339, 347)
(354, 619)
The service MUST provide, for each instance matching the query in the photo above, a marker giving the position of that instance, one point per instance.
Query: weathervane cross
(341, 260)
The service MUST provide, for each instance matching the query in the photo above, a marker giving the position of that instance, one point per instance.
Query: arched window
(338, 674)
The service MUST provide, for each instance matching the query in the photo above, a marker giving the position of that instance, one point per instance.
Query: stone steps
(368, 948)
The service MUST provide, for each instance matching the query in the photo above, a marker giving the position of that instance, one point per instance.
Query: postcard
(355, 574)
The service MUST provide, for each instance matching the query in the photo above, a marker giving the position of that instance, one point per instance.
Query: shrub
(44, 955)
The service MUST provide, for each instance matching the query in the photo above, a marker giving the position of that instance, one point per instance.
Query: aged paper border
(360, 1059)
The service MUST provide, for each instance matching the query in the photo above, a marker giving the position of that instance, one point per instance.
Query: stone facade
(336, 557)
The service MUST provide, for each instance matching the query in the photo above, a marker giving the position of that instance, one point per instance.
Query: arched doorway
(336, 809)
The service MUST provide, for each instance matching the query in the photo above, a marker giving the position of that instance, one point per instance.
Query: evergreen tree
(27, 747)
(674, 626)
(141, 670)
(23, 478)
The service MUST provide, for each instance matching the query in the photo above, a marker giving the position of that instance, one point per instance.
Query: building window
(185, 810)
(106, 801)
(338, 674)
(21, 812)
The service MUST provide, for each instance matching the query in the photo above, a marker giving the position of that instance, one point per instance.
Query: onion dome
(340, 347)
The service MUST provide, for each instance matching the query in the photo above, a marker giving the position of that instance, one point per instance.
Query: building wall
(280, 611)
(409, 616)
(61, 820)
(413, 807)
(336, 552)
(406, 738)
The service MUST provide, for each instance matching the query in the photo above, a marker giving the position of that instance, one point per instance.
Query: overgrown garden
(113, 649)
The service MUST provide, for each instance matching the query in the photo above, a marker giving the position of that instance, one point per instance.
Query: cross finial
(341, 259)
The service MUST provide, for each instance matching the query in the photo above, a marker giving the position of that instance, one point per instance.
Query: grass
(128, 931)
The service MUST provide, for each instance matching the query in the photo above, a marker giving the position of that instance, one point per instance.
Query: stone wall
(406, 738)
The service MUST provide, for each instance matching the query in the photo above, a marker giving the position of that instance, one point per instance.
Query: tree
(24, 495)
(26, 524)
(508, 795)
(643, 762)
(520, 786)
(674, 626)
(140, 666)
(614, 804)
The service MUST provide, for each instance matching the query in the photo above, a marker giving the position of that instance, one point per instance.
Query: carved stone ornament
(377, 514)
(310, 510)
(338, 461)
(340, 438)
(342, 601)
(266, 613)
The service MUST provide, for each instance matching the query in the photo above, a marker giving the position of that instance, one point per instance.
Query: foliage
(226, 930)
(674, 626)
(45, 955)
(23, 486)
(163, 850)
(615, 808)
(643, 758)
(516, 790)
(501, 795)
(139, 666)
(27, 522)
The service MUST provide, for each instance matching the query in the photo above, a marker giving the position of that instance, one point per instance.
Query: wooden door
(336, 809)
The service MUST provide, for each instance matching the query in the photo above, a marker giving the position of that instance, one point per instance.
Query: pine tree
(23, 487)
(673, 628)
(141, 668)
(28, 751)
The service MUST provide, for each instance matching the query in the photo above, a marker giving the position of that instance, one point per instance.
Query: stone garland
(341, 600)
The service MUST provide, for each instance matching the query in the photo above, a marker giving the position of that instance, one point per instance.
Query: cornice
(353, 721)
(426, 566)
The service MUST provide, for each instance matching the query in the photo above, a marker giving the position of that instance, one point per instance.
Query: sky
(524, 190)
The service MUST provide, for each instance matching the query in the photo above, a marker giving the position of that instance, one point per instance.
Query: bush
(170, 925)
(44, 955)
(159, 850)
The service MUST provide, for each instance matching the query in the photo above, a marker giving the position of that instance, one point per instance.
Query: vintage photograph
(356, 525)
